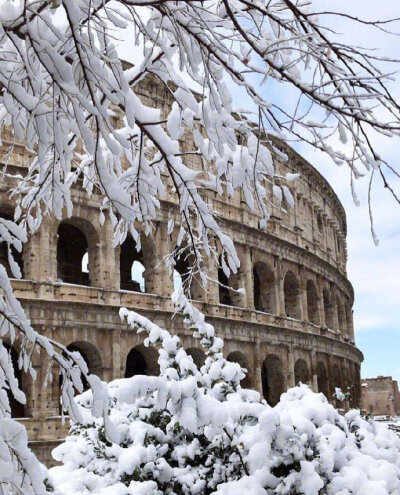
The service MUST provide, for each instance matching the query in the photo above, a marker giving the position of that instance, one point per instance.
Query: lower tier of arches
(276, 358)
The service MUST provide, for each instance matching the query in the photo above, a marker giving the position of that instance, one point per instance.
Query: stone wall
(294, 322)
(380, 396)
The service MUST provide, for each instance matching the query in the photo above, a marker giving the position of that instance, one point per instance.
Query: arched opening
(291, 291)
(142, 360)
(273, 380)
(223, 287)
(239, 358)
(312, 303)
(131, 267)
(264, 288)
(336, 377)
(90, 354)
(135, 364)
(4, 249)
(182, 274)
(17, 409)
(341, 317)
(72, 255)
(328, 309)
(92, 357)
(322, 379)
(197, 355)
(301, 373)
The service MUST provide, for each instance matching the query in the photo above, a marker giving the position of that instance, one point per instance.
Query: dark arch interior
(337, 378)
(17, 409)
(135, 364)
(263, 285)
(182, 271)
(273, 381)
(328, 310)
(322, 379)
(224, 293)
(72, 246)
(198, 356)
(74, 347)
(291, 292)
(301, 373)
(238, 357)
(130, 265)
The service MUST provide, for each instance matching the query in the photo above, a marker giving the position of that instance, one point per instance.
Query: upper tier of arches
(272, 284)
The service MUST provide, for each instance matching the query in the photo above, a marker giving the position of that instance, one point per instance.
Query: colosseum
(293, 322)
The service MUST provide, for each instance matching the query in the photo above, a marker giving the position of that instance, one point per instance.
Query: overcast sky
(373, 271)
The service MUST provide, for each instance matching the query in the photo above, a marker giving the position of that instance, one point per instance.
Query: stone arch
(197, 355)
(301, 372)
(273, 379)
(291, 290)
(77, 237)
(336, 377)
(142, 360)
(17, 409)
(341, 316)
(228, 286)
(322, 376)
(240, 358)
(223, 288)
(92, 357)
(90, 353)
(328, 309)
(312, 302)
(183, 276)
(264, 288)
(137, 267)
(7, 216)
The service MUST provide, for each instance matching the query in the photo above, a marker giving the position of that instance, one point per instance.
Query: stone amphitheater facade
(294, 322)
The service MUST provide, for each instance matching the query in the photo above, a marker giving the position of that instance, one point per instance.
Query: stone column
(335, 312)
(117, 368)
(321, 309)
(247, 277)
(290, 371)
(303, 295)
(163, 280)
(212, 288)
(258, 362)
(278, 287)
(350, 324)
(109, 257)
(280, 300)
(314, 373)
(40, 253)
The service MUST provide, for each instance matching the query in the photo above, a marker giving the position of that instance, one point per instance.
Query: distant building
(380, 396)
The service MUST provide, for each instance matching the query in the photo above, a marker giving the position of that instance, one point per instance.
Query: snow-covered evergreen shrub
(190, 431)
